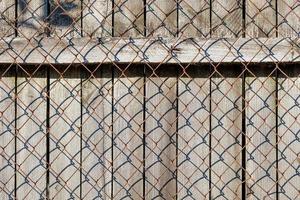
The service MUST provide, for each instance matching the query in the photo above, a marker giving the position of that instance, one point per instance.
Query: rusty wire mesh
(98, 99)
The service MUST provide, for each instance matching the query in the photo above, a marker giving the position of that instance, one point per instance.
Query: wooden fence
(149, 99)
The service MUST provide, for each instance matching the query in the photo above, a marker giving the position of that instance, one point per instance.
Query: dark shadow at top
(59, 14)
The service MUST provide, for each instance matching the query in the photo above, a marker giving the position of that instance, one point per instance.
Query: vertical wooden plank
(97, 18)
(129, 18)
(31, 18)
(194, 133)
(65, 136)
(226, 108)
(7, 132)
(31, 132)
(128, 132)
(161, 17)
(7, 19)
(226, 133)
(65, 18)
(260, 94)
(227, 18)
(96, 132)
(160, 149)
(288, 18)
(288, 132)
(194, 18)
(260, 18)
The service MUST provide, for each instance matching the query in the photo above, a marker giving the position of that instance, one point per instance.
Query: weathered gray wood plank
(7, 18)
(53, 50)
(193, 133)
(96, 133)
(65, 134)
(31, 18)
(97, 18)
(65, 18)
(288, 128)
(227, 18)
(161, 18)
(288, 18)
(260, 18)
(260, 91)
(226, 133)
(160, 150)
(129, 18)
(7, 132)
(32, 133)
(128, 132)
(194, 18)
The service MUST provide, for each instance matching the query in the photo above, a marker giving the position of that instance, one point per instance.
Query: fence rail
(149, 99)
(159, 50)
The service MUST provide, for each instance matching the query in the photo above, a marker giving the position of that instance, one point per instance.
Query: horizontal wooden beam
(148, 50)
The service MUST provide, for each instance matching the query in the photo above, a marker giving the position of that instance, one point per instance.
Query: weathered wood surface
(96, 133)
(65, 134)
(128, 107)
(31, 18)
(288, 18)
(160, 151)
(194, 133)
(32, 133)
(261, 18)
(157, 50)
(288, 128)
(260, 94)
(128, 132)
(169, 172)
(97, 18)
(7, 18)
(7, 132)
(227, 18)
(226, 133)
(161, 18)
(194, 18)
(65, 18)
(129, 18)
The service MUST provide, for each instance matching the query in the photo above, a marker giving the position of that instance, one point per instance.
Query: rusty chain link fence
(150, 99)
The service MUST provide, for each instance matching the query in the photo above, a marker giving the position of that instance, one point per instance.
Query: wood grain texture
(193, 133)
(151, 50)
(288, 18)
(97, 18)
(161, 17)
(288, 128)
(227, 18)
(194, 18)
(65, 134)
(129, 18)
(261, 133)
(32, 133)
(226, 133)
(31, 18)
(96, 133)
(160, 150)
(65, 18)
(260, 18)
(128, 132)
(7, 132)
(7, 18)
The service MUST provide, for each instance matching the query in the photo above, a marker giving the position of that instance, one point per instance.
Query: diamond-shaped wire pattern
(149, 99)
